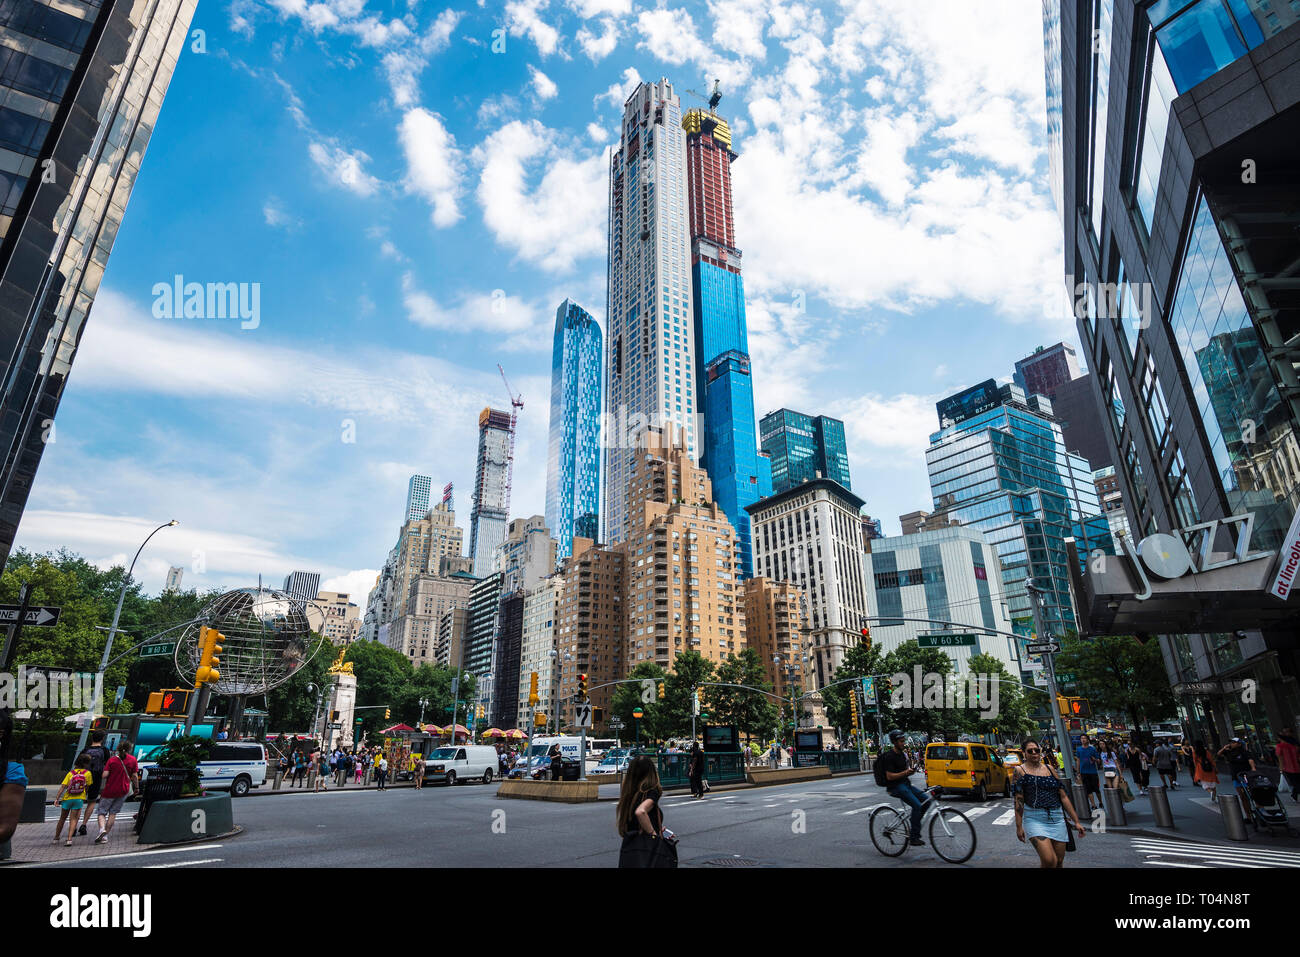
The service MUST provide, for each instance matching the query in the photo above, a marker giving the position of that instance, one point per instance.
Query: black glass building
(81, 86)
(1174, 128)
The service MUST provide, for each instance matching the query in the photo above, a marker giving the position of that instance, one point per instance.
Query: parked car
(615, 762)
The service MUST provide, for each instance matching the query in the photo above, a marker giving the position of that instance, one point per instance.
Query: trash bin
(569, 771)
(161, 784)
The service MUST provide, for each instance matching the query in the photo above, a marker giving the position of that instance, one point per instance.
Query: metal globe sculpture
(267, 639)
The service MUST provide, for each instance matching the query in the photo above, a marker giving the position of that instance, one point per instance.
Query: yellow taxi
(966, 766)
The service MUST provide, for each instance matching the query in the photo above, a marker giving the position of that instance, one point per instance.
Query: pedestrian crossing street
(1162, 852)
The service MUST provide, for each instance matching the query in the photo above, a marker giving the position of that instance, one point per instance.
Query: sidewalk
(1197, 818)
(34, 843)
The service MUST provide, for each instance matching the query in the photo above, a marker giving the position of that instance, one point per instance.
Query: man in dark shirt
(1240, 761)
(897, 770)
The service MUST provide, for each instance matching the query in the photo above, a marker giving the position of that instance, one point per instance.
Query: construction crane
(713, 99)
(516, 404)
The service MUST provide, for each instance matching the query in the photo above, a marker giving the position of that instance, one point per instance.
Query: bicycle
(949, 830)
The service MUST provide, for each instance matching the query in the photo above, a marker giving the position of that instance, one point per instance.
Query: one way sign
(36, 615)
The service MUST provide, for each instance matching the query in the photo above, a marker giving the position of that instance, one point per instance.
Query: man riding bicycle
(897, 770)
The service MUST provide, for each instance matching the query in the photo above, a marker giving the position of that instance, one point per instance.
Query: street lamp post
(112, 631)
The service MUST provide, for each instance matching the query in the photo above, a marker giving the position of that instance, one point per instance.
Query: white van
(234, 766)
(464, 762)
(570, 746)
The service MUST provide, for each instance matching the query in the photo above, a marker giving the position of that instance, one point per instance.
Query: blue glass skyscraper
(573, 455)
(724, 391)
(999, 464)
(804, 447)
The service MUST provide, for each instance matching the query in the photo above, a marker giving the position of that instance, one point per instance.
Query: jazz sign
(1289, 564)
(1189, 550)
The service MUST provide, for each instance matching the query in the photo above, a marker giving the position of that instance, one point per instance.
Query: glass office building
(81, 86)
(1003, 469)
(573, 453)
(1179, 194)
(802, 446)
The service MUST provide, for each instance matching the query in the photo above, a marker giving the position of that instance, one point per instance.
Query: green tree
(1014, 703)
(753, 712)
(1119, 675)
(859, 662)
(383, 674)
(910, 707)
(627, 698)
(689, 670)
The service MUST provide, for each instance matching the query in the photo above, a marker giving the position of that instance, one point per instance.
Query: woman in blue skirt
(1043, 807)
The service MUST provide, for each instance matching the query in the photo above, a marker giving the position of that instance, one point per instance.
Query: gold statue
(339, 667)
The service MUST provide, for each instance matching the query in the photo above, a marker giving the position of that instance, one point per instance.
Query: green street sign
(162, 650)
(947, 641)
(1066, 677)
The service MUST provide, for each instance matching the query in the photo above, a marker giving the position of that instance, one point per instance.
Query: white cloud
(599, 46)
(597, 133)
(543, 85)
(551, 222)
(669, 35)
(525, 19)
(618, 93)
(277, 216)
(738, 26)
(344, 168)
(476, 312)
(355, 584)
(433, 164)
(403, 66)
(594, 8)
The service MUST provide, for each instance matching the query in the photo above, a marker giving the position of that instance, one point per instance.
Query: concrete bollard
(1115, 813)
(279, 779)
(1233, 821)
(311, 779)
(1160, 806)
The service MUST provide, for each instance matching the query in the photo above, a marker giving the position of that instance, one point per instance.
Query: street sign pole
(11, 638)
(1049, 665)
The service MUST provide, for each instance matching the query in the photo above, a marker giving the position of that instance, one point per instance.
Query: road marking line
(860, 810)
(206, 860)
(1225, 860)
(1176, 864)
(105, 857)
(1149, 844)
(977, 811)
(1006, 818)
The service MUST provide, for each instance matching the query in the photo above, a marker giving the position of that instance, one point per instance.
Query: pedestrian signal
(661, 691)
(388, 713)
(1081, 707)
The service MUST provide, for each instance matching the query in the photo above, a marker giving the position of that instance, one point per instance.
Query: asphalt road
(817, 824)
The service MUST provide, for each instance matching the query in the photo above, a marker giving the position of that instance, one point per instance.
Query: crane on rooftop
(713, 99)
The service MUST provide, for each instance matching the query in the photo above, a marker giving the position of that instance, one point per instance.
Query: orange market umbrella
(516, 735)
(494, 733)
(432, 729)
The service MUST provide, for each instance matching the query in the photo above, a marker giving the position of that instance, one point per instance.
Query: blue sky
(416, 187)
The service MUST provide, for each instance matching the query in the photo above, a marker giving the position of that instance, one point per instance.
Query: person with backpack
(121, 777)
(892, 769)
(72, 796)
(299, 767)
(98, 756)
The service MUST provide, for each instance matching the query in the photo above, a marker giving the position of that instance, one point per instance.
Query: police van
(234, 766)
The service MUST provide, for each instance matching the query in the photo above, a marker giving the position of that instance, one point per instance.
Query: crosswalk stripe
(978, 811)
(1147, 844)
(1177, 864)
(1006, 818)
(1208, 861)
(862, 810)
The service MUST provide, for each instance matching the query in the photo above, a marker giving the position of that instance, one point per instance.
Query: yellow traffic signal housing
(582, 685)
(661, 691)
(1063, 705)
(388, 713)
(168, 701)
(209, 648)
(1081, 707)
(539, 720)
(532, 690)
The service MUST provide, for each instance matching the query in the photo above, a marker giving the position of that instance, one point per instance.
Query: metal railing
(719, 768)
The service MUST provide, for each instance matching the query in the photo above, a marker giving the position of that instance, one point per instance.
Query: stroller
(1266, 811)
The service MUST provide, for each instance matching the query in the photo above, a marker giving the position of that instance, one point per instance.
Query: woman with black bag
(646, 842)
(695, 771)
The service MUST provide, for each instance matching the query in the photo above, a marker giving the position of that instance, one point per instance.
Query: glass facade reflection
(1247, 424)
(801, 446)
(1006, 472)
(81, 86)
(573, 451)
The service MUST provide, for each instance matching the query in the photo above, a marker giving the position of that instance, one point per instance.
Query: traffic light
(532, 690)
(853, 707)
(168, 701)
(334, 716)
(539, 720)
(388, 712)
(582, 686)
(1063, 705)
(866, 636)
(661, 691)
(1081, 707)
(209, 649)
(598, 715)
